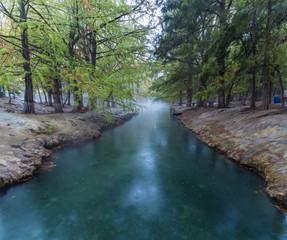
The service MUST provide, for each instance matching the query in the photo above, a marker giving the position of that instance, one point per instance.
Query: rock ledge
(253, 138)
(27, 140)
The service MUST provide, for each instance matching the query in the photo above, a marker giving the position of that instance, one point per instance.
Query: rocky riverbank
(26, 141)
(254, 138)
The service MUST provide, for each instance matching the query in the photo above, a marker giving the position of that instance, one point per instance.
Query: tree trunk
(2, 92)
(50, 102)
(44, 91)
(188, 97)
(62, 99)
(113, 101)
(271, 88)
(28, 96)
(10, 96)
(78, 100)
(282, 103)
(57, 95)
(200, 102)
(246, 95)
(221, 57)
(265, 70)
(205, 79)
(189, 92)
(39, 94)
(228, 99)
(94, 50)
(253, 80)
(92, 103)
(180, 98)
(69, 98)
(61, 94)
(221, 97)
(266, 87)
(253, 90)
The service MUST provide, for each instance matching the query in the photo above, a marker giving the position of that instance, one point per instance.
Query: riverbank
(27, 141)
(256, 139)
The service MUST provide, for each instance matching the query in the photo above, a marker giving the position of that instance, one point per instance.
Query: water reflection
(148, 179)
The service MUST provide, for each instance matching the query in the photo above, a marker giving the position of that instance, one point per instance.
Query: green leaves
(221, 43)
(94, 47)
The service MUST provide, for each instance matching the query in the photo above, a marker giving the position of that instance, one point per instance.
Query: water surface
(149, 179)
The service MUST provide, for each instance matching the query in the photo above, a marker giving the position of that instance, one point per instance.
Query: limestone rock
(27, 140)
(254, 138)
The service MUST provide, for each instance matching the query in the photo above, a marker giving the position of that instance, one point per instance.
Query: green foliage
(221, 43)
(96, 47)
(48, 129)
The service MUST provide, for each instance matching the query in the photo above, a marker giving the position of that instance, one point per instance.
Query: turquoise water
(148, 179)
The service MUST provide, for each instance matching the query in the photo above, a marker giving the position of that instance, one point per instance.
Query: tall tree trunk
(2, 92)
(62, 100)
(57, 95)
(50, 102)
(94, 50)
(205, 32)
(253, 80)
(200, 102)
(74, 38)
(69, 98)
(203, 81)
(246, 95)
(221, 96)
(271, 88)
(113, 101)
(180, 98)
(282, 105)
(93, 103)
(221, 56)
(189, 92)
(265, 70)
(253, 90)
(10, 96)
(78, 100)
(39, 94)
(44, 91)
(228, 98)
(188, 97)
(28, 96)
(93, 41)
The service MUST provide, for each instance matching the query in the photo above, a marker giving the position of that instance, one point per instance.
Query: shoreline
(253, 139)
(27, 142)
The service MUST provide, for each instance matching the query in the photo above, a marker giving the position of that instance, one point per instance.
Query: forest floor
(256, 139)
(26, 141)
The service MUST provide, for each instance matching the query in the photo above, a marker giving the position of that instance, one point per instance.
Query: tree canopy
(74, 46)
(222, 49)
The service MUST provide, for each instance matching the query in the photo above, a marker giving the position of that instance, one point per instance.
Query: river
(148, 179)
